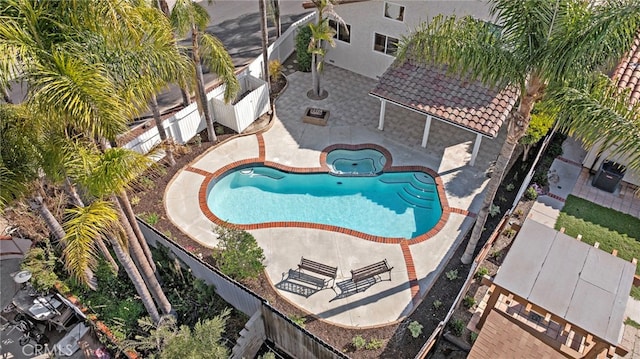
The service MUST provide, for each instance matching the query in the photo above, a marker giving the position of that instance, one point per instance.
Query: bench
(370, 271)
(318, 268)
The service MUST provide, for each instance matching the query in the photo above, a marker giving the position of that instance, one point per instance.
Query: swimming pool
(363, 162)
(394, 204)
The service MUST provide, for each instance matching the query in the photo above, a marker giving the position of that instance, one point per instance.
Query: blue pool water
(365, 162)
(397, 204)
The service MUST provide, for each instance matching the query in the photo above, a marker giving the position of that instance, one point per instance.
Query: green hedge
(302, 44)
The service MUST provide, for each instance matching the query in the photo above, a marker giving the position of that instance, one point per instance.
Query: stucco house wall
(367, 18)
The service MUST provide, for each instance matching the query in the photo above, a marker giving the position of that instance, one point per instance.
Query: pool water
(396, 204)
(364, 162)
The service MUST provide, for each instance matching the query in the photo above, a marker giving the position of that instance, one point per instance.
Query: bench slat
(318, 268)
(369, 271)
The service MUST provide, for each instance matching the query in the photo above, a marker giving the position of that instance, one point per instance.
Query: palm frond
(588, 37)
(115, 170)
(218, 60)
(12, 187)
(80, 92)
(467, 46)
(597, 113)
(84, 226)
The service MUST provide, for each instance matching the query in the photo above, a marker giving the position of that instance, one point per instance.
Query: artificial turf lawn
(612, 229)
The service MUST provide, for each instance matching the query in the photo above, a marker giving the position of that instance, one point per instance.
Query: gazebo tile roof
(430, 90)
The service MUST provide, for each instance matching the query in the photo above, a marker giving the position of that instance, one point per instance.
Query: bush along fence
(266, 322)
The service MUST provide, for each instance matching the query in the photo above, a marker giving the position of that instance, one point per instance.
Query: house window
(343, 32)
(385, 44)
(393, 11)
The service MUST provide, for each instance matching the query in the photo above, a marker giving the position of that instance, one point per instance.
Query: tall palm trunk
(124, 202)
(77, 201)
(315, 74)
(184, 88)
(5, 95)
(37, 205)
(164, 7)
(55, 228)
(517, 127)
(275, 8)
(72, 193)
(136, 279)
(143, 264)
(265, 46)
(202, 94)
(153, 103)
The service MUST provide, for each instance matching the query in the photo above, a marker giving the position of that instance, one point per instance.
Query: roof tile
(463, 102)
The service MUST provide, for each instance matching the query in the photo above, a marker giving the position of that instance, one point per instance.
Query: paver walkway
(291, 143)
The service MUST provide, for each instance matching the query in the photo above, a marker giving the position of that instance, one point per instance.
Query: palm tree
(83, 72)
(321, 32)
(274, 12)
(542, 47)
(109, 177)
(190, 16)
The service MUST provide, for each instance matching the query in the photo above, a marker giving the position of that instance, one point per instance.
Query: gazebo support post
(383, 105)
(425, 135)
(476, 147)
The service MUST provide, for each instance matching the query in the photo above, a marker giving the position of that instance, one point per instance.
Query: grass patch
(613, 229)
(632, 323)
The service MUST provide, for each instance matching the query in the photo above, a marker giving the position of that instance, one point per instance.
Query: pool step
(428, 195)
(415, 201)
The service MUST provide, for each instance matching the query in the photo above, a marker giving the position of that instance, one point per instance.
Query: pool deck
(290, 143)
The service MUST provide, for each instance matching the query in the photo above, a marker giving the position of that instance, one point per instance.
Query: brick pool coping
(323, 168)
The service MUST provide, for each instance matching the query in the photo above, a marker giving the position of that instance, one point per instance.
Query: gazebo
(429, 90)
(557, 296)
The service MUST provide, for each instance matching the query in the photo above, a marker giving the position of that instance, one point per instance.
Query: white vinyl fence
(187, 122)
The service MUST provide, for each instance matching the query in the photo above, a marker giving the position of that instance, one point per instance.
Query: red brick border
(411, 271)
(555, 196)
(260, 160)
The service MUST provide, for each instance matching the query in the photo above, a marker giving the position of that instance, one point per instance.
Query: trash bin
(609, 176)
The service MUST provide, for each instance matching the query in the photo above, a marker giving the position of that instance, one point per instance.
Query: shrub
(41, 262)
(452, 274)
(510, 187)
(134, 200)
(457, 327)
(275, 70)
(239, 255)
(358, 342)
(298, 320)
(509, 232)
(531, 193)
(437, 304)
(416, 328)
(151, 218)
(473, 336)
(494, 210)
(469, 302)
(219, 130)
(269, 355)
(303, 37)
(482, 271)
(519, 213)
(374, 344)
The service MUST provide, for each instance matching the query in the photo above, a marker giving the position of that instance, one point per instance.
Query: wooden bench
(370, 271)
(318, 268)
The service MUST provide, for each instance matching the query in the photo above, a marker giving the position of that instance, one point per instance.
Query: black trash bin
(609, 176)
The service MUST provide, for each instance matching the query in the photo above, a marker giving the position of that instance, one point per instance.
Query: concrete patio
(290, 142)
